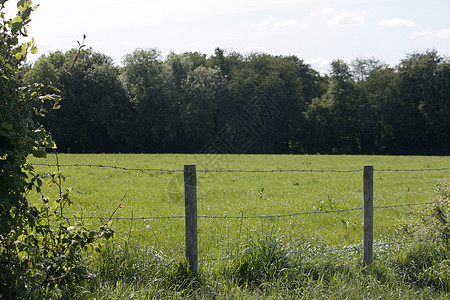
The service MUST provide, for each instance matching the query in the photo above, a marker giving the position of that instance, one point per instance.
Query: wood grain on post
(190, 204)
(368, 215)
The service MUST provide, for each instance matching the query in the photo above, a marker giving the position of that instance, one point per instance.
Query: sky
(316, 31)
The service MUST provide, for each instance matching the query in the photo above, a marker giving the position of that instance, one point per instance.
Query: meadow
(154, 199)
(262, 233)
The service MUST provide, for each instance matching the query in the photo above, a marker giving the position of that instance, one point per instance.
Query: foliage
(95, 112)
(328, 205)
(424, 265)
(185, 101)
(421, 97)
(441, 211)
(39, 250)
(435, 221)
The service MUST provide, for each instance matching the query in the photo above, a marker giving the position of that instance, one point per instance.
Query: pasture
(239, 200)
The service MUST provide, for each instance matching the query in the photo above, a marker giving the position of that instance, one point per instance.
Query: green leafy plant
(434, 220)
(441, 211)
(40, 252)
(328, 205)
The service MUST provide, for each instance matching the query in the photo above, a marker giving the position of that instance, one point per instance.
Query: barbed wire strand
(199, 170)
(354, 247)
(125, 218)
(257, 217)
(281, 216)
(281, 171)
(107, 166)
(409, 204)
(411, 170)
(237, 170)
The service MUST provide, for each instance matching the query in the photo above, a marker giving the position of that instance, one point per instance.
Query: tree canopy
(183, 102)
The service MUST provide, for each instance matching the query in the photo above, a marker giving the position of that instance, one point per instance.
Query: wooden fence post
(368, 215)
(190, 205)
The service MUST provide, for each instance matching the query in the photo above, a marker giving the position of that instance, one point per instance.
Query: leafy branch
(66, 72)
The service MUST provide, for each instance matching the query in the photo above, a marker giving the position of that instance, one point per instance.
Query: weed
(328, 205)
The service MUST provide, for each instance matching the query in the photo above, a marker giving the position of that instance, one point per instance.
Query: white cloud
(395, 22)
(323, 11)
(271, 21)
(287, 23)
(346, 19)
(251, 49)
(129, 44)
(422, 34)
(323, 62)
(320, 64)
(442, 34)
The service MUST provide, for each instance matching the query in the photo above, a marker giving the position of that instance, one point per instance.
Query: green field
(97, 191)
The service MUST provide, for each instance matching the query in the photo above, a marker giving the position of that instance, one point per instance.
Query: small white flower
(148, 226)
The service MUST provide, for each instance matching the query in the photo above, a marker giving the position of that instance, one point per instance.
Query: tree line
(183, 102)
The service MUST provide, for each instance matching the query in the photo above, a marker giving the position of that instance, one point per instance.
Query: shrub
(39, 249)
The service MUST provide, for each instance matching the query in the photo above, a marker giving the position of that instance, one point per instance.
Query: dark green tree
(361, 67)
(310, 86)
(420, 104)
(202, 89)
(376, 122)
(336, 115)
(95, 113)
(143, 78)
(276, 78)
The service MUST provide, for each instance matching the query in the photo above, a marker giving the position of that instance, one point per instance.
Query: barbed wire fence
(190, 201)
(236, 170)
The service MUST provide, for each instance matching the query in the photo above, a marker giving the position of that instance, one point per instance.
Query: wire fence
(348, 248)
(253, 217)
(242, 216)
(237, 170)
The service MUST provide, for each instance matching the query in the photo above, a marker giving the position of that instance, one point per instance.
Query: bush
(40, 251)
(434, 221)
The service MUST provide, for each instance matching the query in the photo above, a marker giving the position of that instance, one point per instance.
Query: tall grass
(267, 269)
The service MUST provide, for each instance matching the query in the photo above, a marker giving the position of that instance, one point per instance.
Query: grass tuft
(264, 259)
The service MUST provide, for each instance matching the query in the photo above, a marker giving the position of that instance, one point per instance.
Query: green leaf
(39, 153)
(21, 51)
(16, 24)
(6, 125)
(5, 226)
(34, 49)
(80, 270)
(22, 5)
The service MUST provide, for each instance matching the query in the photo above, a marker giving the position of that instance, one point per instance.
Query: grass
(267, 269)
(146, 259)
(97, 192)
